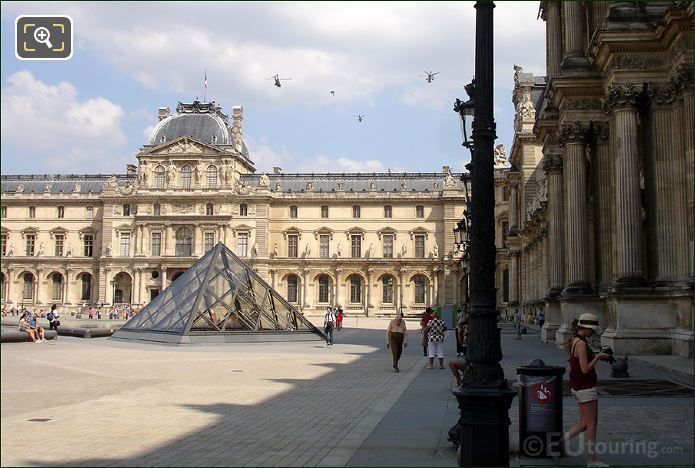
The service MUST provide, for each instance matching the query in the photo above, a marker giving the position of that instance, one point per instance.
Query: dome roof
(207, 128)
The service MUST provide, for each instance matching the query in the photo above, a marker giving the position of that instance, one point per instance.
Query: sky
(92, 113)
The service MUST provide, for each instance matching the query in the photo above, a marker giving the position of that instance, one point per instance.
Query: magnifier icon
(43, 36)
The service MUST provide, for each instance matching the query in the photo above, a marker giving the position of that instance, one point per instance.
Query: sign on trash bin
(540, 408)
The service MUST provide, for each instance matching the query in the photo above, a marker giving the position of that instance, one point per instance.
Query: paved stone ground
(301, 404)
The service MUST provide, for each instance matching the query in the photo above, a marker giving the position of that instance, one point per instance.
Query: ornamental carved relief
(573, 133)
(111, 183)
(636, 62)
(622, 96)
(184, 208)
(581, 104)
(663, 94)
(552, 163)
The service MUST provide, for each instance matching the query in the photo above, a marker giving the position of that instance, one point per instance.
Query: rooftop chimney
(277, 170)
(163, 113)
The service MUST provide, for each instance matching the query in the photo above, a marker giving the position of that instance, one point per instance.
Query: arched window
(57, 290)
(212, 176)
(387, 294)
(292, 288)
(420, 283)
(184, 241)
(355, 289)
(86, 294)
(28, 290)
(324, 282)
(186, 176)
(159, 176)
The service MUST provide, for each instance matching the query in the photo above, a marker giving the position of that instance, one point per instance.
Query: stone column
(38, 293)
(102, 284)
(338, 271)
(197, 236)
(688, 157)
(552, 165)
(168, 234)
(305, 289)
(401, 288)
(553, 38)
(434, 297)
(545, 284)
(572, 29)
(164, 278)
(10, 286)
(514, 277)
(623, 101)
(573, 139)
(513, 204)
(604, 199)
(66, 290)
(370, 285)
(109, 287)
(135, 292)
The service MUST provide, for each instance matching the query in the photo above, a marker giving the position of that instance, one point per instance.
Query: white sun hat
(589, 321)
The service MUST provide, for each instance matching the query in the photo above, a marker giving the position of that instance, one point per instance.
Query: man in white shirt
(329, 325)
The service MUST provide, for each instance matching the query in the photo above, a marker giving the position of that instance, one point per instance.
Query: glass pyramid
(218, 299)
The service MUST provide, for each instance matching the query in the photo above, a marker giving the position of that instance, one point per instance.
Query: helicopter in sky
(277, 80)
(429, 76)
(360, 117)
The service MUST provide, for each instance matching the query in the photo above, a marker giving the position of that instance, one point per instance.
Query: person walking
(435, 340)
(541, 317)
(426, 317)
(517, 324)
(583, 381)
(52, 317)
(328, 325)
(339, 319)
(396, 339)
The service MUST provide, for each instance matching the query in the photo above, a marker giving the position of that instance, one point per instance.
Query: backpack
(50, 316)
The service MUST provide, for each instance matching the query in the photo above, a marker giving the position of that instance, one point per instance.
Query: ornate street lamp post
(484, 397)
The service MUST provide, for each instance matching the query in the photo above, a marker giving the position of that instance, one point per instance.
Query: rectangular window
(243, 209)
(505, 232)
(28, 290)
(90, 212)
(3, 212)
(86, 287)
(324, 211)
(156, 244)
(125, 244)
(88, 245)
(59, 245)
(356, 211)
(242, 244)
(324, 245)
(4, 245)
(505, 193)
(419, 246)
(31, 242)
(388, 246)
(292, 246)
(293, 211)
(32, 212)
(209, 240)
(356, 244)
(323, 291)
(419, 211)
(61, 212)
(126, 210)
(157, 209)
(388, 211)
(57, 290)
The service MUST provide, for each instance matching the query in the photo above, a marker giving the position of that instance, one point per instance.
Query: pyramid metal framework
(218, 299)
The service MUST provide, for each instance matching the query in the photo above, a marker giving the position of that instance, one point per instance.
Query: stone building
(601, 202)
(371, 242)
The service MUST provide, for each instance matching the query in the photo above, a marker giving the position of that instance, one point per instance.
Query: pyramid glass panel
(218, 296)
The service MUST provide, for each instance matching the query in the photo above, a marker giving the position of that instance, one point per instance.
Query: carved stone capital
(573, 133)
(601, 132)
(662, 94)
(627, 96)
(683, 78)
(552, 163)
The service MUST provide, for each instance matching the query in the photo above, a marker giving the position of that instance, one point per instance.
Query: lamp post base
(484, 423)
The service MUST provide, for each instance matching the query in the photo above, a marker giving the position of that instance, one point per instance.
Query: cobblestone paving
(262, 405)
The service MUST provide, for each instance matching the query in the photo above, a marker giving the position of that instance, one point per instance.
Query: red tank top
(578, 379)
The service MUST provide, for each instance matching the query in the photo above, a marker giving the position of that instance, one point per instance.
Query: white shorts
(586, 395)
(435, 349)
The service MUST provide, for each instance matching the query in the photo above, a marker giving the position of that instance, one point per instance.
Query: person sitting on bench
(38, 329)
(25, 327)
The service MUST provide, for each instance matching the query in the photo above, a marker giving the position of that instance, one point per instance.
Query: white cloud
(322, 163)
(52, 121)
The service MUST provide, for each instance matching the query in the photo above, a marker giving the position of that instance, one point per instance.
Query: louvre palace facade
(371, 242)
(600, 210)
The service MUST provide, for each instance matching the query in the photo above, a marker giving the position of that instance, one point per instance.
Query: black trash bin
(540, 409)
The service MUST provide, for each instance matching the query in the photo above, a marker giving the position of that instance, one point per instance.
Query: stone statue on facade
(47, 189)
(20, 188)
(171, 173)
(111, 183)
(108, 249)
(143, 176)
(264, 181)
(500, 155)
(339, 250)
(307, 250)
(77, 188)
(275, 250)
(254, 250)
(196, 175)
(68, 252)
(370, 250)
(10, 250)
(41, 249)
(404, 250)
(435, 250)
(449, 180)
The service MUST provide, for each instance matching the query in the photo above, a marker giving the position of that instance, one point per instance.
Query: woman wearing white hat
(583, 380)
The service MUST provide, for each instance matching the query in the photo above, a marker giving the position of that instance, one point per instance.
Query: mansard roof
(66, 183)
